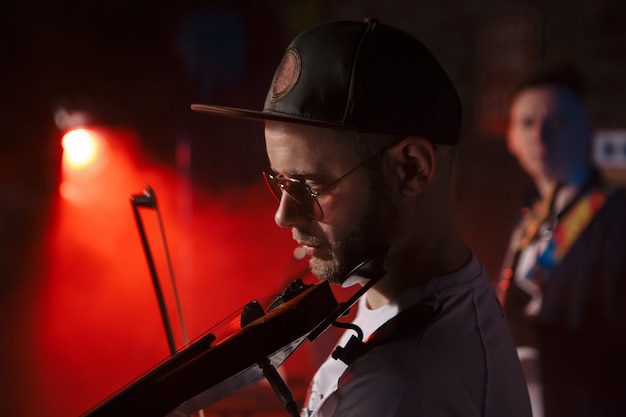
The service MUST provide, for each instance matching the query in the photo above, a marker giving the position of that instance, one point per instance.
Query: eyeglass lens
(298, 192)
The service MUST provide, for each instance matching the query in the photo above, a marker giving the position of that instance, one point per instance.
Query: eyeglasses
(302, 194)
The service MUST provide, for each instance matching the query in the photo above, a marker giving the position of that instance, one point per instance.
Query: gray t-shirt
(463, 363)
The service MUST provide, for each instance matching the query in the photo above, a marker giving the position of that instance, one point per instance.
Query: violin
(210, 369)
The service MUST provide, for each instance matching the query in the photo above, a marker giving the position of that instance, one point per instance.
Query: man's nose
(547, 129)
(290, 213)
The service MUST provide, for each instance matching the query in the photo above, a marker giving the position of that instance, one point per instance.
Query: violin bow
(147, 199)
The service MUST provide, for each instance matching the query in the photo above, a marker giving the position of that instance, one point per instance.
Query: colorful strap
(523, 236)
(570, 225)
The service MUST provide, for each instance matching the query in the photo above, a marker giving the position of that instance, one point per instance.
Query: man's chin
(330, 270)
(326, 270)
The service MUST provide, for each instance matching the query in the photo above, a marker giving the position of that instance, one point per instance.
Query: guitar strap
(523, 235)
(570, 223)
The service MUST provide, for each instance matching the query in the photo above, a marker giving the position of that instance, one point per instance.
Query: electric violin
(219, 364)
(210, 369)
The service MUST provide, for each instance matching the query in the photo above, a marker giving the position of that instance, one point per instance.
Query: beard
(366, 240)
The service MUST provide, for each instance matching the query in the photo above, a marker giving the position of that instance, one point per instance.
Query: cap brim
(266, 115)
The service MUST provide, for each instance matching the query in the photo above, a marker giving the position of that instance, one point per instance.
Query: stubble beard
(370, 235)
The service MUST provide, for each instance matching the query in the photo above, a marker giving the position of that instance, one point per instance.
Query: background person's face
(548, 133)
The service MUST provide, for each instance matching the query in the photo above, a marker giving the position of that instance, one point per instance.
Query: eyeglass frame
(271, 178)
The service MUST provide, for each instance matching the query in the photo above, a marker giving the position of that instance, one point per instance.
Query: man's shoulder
(618, 197)
(612, 217)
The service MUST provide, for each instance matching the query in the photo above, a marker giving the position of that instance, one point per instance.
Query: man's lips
(310, 250)
(310, 245)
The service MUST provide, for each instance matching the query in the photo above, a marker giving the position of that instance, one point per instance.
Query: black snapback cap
(360, 76)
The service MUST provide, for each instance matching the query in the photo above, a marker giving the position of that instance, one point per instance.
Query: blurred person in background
(563, 284)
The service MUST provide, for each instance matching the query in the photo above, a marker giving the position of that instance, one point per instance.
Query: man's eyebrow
(288, 174)
(298, 174)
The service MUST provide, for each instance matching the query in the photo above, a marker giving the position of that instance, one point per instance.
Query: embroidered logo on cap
(287, 74)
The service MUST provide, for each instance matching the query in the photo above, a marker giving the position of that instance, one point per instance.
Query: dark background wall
(136, 65)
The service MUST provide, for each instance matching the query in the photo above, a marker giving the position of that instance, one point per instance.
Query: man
(361, 125)
(563, 283)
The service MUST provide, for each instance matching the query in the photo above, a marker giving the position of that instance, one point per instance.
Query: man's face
(548, 133)
(357, 215)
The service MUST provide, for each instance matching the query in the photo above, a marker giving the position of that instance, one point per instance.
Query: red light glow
(94, 321)
(80, 148)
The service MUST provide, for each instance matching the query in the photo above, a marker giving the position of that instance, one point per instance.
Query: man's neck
(575, 180)
(416, 267)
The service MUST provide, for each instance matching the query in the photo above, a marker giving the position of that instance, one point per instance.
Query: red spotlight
(86, 155)
(80, 148)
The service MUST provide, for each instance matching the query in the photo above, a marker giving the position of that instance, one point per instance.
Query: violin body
(209, 370)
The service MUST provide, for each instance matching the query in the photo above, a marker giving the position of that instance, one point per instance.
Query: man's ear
(414, 164)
